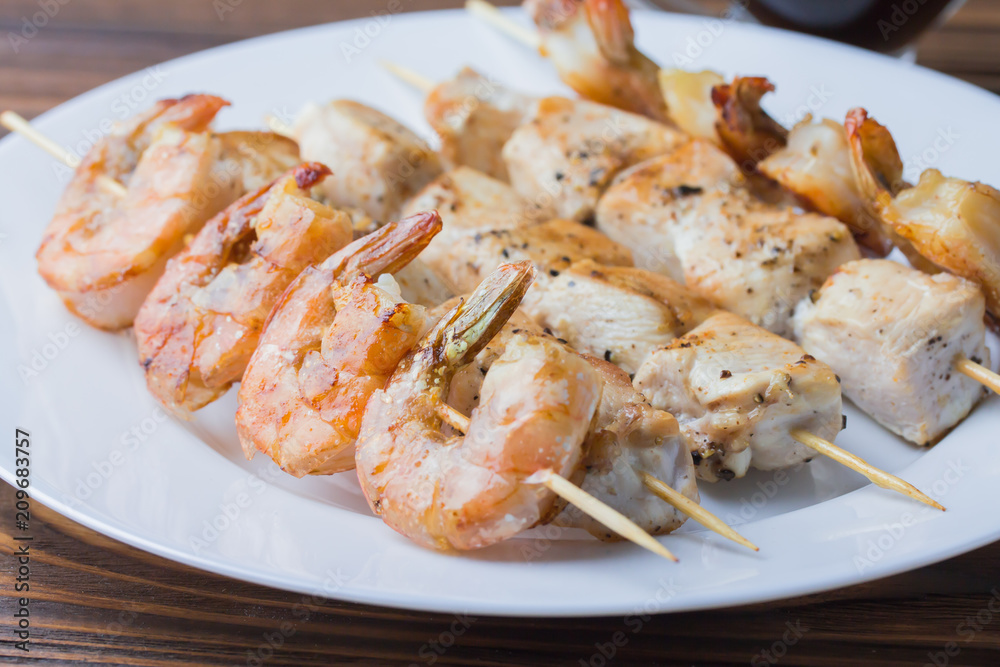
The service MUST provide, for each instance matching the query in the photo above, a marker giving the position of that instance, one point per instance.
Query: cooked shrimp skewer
(467, 491)
(102, 252)
(200, 324)
(332, 339)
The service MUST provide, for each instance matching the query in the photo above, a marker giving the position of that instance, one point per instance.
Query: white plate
(103, 454)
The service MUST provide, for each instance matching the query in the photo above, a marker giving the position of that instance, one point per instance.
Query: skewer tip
(875, 475)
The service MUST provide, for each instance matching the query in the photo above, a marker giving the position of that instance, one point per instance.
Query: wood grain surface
(95, 600)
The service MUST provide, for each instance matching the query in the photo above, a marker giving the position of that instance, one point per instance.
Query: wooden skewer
(878, 477)
(694, 510)
(979, 373)
(593, 507)
(15, 123)
(569, 491)
(415, 79)
(490, 14)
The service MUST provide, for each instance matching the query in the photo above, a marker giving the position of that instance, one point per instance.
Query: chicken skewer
(550, 240)
(477, 488)
(686, 211)
(560, 250)
(697, 166)
(911, 328)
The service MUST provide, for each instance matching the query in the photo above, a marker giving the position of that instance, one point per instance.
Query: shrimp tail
(465, 330)
(747, 132)
(874, 156)
(878, 172)
(612, 27)
(386, 250)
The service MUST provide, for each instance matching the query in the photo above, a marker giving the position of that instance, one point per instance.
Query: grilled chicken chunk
(737, 392)
(684, 215)
(621, 314)
(475, 116)
(469, 201)
(551, 246)
(627, 438)
(893, 335)
(377, 163)
(571, 150)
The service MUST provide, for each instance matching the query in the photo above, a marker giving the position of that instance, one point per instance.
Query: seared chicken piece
(571, 150)
(551, 246)
(592, 45)
(377, 163)
(893, 335)
(640, 209)
(621, 314)
(475, 116)
(469, 201)
(737, 392)
(816, 166)
(681, 215)
(627, 438)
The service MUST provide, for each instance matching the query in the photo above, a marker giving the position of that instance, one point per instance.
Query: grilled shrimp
(816, 166)
(93, 247)
(103, 253)
(200, 324)
(332, 339)
(465, 492)
(592, 44)
(626, 438)
(941, 222)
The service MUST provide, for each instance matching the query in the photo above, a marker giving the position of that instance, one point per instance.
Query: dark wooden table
(96, 600)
